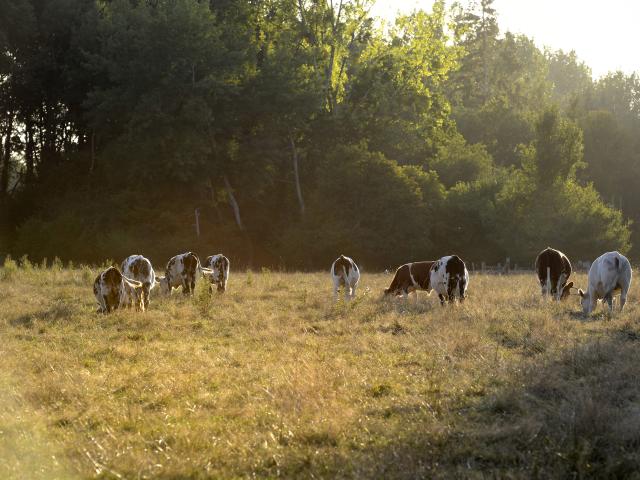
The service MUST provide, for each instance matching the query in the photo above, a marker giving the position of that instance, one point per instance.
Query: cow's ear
(580, 292)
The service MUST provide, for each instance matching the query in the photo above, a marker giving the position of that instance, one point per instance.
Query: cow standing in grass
(345, 273)
(219, 266)
(450, 279)
(113, 290)
(411, 277)
(554, 269)
(609, 275)
(137, 267)
(182, 270)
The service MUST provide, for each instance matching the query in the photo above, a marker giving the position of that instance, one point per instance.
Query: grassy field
(272, 379)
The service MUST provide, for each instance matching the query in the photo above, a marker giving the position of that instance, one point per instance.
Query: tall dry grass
(274, 379)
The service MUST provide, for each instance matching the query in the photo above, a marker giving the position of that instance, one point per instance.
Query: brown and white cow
(450, 279)
(219, 266)
(345, 273)
(113, 290)
(182, 270)
(137, 267)
(411, 277)
(554, 269)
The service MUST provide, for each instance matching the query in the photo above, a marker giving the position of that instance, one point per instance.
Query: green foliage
(301, 130)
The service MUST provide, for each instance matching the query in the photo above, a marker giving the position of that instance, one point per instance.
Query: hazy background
(603, 35)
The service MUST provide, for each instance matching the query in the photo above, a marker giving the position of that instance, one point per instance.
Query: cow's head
(566, 291)
(163, 283)
(586, 302)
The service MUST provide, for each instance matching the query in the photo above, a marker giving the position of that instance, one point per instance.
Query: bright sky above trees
(604, 35)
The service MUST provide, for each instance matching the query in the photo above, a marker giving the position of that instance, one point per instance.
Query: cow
(182, 270)
(113, 290)
(137, 267)
(450, 279)
(345, 273)
(219, 265)
(554, 269)
(409, 278)
(609, 275)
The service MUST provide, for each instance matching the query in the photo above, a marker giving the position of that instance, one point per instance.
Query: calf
(182, 270)
(219, 265)
(450, 279)
(609, 274)
(344, 272)
(139, 268)
(409, 278)
(113, 290)
(554, 269)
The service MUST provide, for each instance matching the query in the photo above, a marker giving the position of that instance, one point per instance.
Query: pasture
(272, 379)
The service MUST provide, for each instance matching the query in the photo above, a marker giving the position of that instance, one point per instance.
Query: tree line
(302, 129)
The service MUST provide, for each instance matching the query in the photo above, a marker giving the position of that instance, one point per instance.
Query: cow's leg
(609, 299)
(336, 285)
(192, 284)
(415, 296)
(353, 291)
(623, 298)
(461, 285)
(146, 291)
(347, 292)
(185, 285)
(442, 299)
(405, 294)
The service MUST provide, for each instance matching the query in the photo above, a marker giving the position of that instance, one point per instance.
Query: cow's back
(139, 268)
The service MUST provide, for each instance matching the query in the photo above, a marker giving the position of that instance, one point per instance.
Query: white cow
(450, 279)
(345, 272)
(139, 268)
(609, 275)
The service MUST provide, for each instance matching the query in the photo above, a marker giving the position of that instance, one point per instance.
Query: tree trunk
(233, 202)
(29, 152)
(6, 157)
(296, 174)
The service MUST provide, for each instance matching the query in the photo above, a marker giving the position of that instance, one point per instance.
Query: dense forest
(301, 129)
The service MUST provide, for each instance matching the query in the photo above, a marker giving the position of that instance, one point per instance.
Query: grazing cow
(554, 269)
(139, 268)
(344, 272)
(609, 275)
(182, 270)
(113, 290)
(219, 265)
(450, 278)
(411, 277)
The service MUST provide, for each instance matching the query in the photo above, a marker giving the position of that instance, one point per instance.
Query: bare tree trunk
(29, 151)
(296, 173)
(233, 202)
(93, 151)
(6, 160)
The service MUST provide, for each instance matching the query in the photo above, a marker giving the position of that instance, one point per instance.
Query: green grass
(272, 379)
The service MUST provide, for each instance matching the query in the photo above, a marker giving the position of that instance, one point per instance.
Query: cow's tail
(548, 280)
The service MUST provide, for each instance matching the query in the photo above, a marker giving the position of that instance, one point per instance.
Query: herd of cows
(609, 275)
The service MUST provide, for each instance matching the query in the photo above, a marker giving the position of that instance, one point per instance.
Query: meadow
(274, 379)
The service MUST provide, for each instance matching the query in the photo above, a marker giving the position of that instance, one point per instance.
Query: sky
(603, 34)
